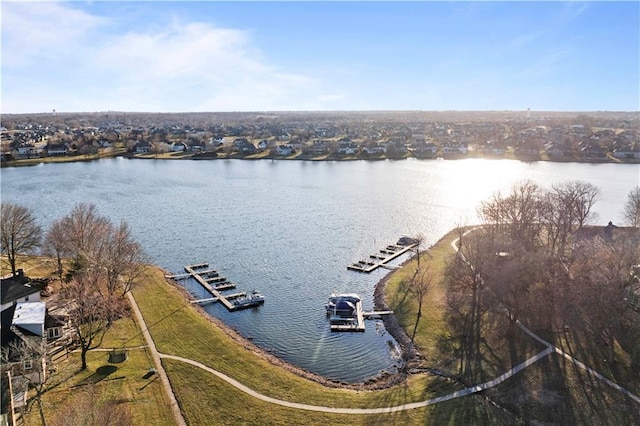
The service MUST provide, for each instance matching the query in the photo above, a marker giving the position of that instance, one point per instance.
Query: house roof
(19, 286)
(607, 233)
(29, 313)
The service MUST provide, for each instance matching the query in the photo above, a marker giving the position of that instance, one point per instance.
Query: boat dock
(346, 313)
(386, 255)
(216, 284)
(355, 323)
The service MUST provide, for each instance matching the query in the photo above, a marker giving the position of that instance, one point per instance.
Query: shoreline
(196, 157)
(383, 380)
(410, 356)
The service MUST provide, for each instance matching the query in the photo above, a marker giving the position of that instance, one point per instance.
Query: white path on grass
(557, 350)
(382, 410)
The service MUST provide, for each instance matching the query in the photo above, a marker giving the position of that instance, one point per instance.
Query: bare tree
(84, 234)
(123, 260)
(632, 207)
(515, 217)
(55, 244)
(601, 277)
(96, 245)
(92, 310)
(420, 285)
(19, 232)
(419, 240)
(466, 296)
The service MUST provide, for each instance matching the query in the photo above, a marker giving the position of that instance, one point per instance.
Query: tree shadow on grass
(100, 374)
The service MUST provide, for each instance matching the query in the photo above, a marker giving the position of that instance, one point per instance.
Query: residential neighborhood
(593, 137)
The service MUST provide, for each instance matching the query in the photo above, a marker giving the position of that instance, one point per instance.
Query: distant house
(142, 147)
(284, 149)
(373, 148)
(244, 146)
(57, 149)
(318, 147)
(347, 147)
(493, 148)
(627, 152)
(29, 151)
(455, 148)
(423, 149)
(178, 147)
(195, 145)
(263, 144)
(593, 150)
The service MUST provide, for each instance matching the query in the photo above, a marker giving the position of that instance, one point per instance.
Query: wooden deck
(387, 255)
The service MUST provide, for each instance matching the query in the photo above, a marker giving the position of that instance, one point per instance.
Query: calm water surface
(289, 229)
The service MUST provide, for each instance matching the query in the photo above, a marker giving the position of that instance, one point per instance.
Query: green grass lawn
(124, 383)
(550, 390)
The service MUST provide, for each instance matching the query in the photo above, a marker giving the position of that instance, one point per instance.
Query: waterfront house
(284, 149)
(627, 152)
(142, 147)
(178, 147)
(20, 288)
(453, 148)
(347, 147)
(318, 147)
(57, 150)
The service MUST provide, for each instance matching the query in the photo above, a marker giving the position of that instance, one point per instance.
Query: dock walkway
(388, 254)
(216, 284)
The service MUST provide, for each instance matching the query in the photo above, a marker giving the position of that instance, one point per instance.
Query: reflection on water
(289, 229)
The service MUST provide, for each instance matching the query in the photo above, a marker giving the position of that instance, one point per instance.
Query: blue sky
(168, 56)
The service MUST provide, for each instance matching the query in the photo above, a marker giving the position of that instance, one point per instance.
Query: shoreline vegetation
(208, 156)
(591, 137)
(429, 372)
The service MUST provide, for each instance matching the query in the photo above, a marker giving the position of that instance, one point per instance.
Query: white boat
(250, 300)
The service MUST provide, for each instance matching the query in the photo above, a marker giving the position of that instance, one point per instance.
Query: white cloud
(176, 66)
(37, 31)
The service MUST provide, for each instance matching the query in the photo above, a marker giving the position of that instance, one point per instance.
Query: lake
(290, 228)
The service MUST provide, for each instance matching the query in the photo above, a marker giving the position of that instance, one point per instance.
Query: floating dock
(376, 261)
(215, 284)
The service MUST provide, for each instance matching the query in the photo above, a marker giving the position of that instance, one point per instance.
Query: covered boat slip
(348, 321)
(346, 313)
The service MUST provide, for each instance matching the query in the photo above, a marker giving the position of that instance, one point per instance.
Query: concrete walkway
(557, 350)
(175, 408)
(382, 410)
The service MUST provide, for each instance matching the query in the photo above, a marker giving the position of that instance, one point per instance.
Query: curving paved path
(382, 410)
(557, 350)
(157, 356)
